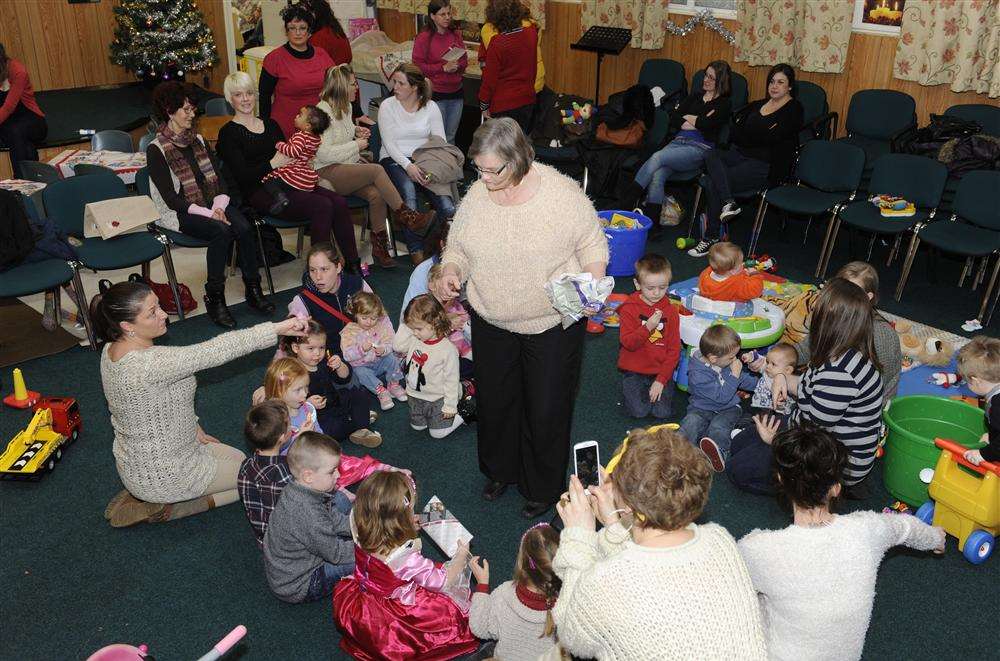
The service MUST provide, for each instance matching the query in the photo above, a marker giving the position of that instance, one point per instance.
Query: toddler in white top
(777, 365)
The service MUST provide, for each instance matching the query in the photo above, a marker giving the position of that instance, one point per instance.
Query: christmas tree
(162, 39)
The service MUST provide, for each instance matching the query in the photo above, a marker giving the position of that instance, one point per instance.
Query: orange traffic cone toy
(22, 397)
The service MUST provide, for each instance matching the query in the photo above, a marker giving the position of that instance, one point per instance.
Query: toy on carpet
(21, 398)
(891, 206)
(36, 449)
(944, 379)
(621, 221)
(966, 504)
(898, 507)
(578, 115)
(608, 315)
(761, 264)
(933, 351)
(123, 652)
(686, 242)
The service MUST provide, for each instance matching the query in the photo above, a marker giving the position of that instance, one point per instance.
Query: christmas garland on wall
(705, 18)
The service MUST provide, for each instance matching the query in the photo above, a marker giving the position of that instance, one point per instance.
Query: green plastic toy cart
(914, 422)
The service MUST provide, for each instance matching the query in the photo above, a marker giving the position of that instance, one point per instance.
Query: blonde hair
(238, 81)
(427, 309)
(365, 303)
(308, 450)
(281, 374)
(383, 512)
(863, 275)
(980, 358)
(662, 478)
(337, 90)
(724, 256)
(718, 340)
(416, 78)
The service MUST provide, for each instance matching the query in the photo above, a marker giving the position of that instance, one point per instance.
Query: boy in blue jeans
(714, 377)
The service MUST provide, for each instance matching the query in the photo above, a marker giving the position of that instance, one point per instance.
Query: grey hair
(503, 138)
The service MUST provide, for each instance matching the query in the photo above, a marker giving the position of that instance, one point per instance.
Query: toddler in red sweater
(725, 279)
(649, 334)
(311, 122)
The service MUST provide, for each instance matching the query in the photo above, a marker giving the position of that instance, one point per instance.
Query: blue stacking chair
(112, 140)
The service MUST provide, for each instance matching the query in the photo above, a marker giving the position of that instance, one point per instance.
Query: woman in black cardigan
(763, 150)
(696, 123)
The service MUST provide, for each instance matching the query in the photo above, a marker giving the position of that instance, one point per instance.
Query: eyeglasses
(496, 172)
(297, 28)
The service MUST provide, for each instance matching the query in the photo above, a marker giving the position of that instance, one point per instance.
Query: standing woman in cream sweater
(338, 161)
(521, 225)
(170, 466)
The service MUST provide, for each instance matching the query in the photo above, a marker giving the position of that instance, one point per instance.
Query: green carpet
(75, 585)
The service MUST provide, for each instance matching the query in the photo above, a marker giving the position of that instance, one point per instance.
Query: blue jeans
(325, 577)
(635, 396)
(407, 188)
(387, 367)
(679, 155)
(718, 426)
(451, 115)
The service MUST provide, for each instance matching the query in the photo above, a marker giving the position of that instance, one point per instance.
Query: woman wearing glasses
(292, 76)
(521, 225)
(406, 121)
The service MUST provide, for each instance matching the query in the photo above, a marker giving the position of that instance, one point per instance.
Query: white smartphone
(587, 463)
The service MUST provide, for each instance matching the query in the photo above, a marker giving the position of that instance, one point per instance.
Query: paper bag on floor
(109, 218)
(442, 527)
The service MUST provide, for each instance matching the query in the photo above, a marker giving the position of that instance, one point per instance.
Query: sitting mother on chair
(170, 467)
(190, 195)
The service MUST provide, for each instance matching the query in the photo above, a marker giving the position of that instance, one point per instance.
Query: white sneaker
(702, 248)
(456, 422)
(729, 210)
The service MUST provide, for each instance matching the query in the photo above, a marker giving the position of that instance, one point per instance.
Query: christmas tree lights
(162, 39)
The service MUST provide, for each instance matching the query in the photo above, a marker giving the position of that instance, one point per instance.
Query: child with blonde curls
(431, 366)
(518, 614)
(398, 604)
(367, 346)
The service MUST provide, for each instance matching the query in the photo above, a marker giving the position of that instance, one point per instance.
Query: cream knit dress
(623, 601)
(150, 397)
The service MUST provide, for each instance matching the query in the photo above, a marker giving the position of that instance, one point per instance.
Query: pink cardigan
(428, 48)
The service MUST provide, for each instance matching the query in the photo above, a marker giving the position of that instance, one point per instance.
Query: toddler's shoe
(366, 438)
(729, 210)
(398, 391)
(384, 398)
(714, 454)
(702, 248)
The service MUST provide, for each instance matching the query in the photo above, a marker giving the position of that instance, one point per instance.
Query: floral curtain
(644, 17)
(951, 41)
(811, 35)
(467, 10)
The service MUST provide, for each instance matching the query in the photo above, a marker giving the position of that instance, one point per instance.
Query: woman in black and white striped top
(841, 391)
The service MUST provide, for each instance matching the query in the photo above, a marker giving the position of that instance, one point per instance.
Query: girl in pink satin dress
(398, 604)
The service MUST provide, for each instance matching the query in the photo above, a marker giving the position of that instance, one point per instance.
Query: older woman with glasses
(521, 225)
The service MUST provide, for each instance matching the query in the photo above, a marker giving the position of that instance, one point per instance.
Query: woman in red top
(437, 38)
(328, 34)
(508, 87)
(292, 76)
(22, 122)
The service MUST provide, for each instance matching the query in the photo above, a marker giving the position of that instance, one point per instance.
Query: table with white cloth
(125, 164)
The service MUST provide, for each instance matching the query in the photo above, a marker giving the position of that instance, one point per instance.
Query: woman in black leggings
(763, 150)
(22, 122)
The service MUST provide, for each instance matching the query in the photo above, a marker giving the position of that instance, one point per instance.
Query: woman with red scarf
(192, 198)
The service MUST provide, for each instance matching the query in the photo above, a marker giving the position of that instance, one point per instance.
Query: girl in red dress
(398, 604)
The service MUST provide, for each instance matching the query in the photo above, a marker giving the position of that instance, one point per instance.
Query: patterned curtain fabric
(951, 41)
(645, 18)
(811, 35)
(467, 10)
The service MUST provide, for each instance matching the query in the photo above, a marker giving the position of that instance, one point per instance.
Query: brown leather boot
(380, 250)
(414, 220)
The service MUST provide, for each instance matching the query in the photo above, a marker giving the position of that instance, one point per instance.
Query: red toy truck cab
(65, 415)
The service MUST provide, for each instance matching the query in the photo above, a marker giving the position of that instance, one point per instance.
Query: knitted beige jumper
(623, 601)
(501, 616)
(508, 253)
(150, 397)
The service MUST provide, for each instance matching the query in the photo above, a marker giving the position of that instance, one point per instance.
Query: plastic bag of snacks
(573, 294)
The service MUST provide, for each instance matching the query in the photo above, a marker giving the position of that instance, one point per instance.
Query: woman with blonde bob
(652, 583)
(339, 162)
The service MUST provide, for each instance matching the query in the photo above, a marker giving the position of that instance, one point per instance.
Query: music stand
(603, 41)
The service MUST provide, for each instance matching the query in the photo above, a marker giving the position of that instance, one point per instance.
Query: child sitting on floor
(649, 335)
(775, 366)
(431, 366)
(979, 365)
(287, 379)
(367, 346)
(307, 544)
(265, 473)
(725, 278)
(310, 124)
(398, 604)
(461, 330)
(518, 614)
(714, 377)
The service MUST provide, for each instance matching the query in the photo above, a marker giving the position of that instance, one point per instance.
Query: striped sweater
(299, 173)
(844, 396)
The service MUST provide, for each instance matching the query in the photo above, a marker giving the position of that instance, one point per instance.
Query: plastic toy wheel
(51, 465)
(926, 512)
(75, 435)
(978, 547)
(58, 454)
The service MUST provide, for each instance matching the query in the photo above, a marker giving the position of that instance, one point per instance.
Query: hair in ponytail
(533, 566)
(416, 78)
(115, 304)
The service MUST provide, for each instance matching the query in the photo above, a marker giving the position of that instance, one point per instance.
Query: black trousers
(526, 386)
(348, 414)
(729, 171)
(21, 132)
(220, 237)
(523, 116)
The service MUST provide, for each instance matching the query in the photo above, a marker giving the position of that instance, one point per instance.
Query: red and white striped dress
(299, 173)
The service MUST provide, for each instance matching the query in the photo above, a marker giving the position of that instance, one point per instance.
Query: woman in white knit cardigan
(170, 466)
(338, 162)
(652, 584)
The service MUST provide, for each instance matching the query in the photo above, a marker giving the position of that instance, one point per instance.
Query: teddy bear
(933, 351)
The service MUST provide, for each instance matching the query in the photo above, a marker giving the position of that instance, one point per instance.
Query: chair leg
(980, 273)
(81, 305)
(871, 247)
(907, 264)
(168, 263)
(826, 240)
(299, 241)
(57, 300)
(263, 254)
(832, 242)
(965, 271)
(694, 208)
(894, 249)
(805, 235)
(391, 238)
(758, 225)
(989, 291)
(145, 271)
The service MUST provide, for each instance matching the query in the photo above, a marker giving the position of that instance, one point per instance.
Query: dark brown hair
(324, 17)
(506, 15)
(318, 120)
(115, 304)
(383, 512)
(299, 12)
(427, 309)
(313, 328)
(266, 423)
(723, 76)
(533, 567)
(842, 319)
(718, 341)
(652, 263)
(325, 248)
(416, 78)
(169, 97)
(808, 462)
(433, 7)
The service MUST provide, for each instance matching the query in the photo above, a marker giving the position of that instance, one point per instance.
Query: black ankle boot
(632, 196)
(352, 266)
(256, 299)
(215, 305)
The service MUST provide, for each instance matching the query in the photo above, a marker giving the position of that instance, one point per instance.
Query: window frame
(689, 8)
(858, 25)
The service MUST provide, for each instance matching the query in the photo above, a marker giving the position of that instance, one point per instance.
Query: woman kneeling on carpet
(652, 583)
(170, 467)
(190, 195)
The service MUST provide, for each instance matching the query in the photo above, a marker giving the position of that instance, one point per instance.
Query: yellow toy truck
(38, 447)
(966, 505)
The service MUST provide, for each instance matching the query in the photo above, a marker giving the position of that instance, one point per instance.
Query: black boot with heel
(256, 299)
(215, 306)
